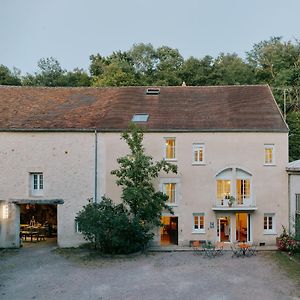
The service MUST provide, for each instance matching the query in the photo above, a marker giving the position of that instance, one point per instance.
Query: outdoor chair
(252, 251)
(236, 252)
(196, 247)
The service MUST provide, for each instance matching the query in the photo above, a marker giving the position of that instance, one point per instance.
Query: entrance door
(243, 228)
(223, 229)
(169, 231)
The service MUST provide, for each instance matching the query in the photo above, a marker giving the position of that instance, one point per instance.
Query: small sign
(212, 225)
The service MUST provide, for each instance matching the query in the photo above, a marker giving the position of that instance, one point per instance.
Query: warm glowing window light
(5, 211)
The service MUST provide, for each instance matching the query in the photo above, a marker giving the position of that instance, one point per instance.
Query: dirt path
(38, 273)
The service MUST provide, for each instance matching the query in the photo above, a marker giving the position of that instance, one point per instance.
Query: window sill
(269, 165)
(270, 233)
(198, 231)
(198, 164)
(172, 204)
(170, 159)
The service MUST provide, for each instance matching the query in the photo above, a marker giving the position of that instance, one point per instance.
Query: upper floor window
(170, 190)
(198, 153)
(170, 148)
(242, 189)
(223, 189)
(269, 154)
(269, 223)
(37, 184)
(198, 222)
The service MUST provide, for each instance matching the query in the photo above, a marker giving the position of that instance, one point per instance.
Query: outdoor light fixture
(5, 211)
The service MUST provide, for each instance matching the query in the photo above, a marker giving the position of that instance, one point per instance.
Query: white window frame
(39, 184)
(197, 147)
(175, 193)
(76, 226)
(176, 181)
(268, 230)
(269, 146)
(198, 230)
(166, 147)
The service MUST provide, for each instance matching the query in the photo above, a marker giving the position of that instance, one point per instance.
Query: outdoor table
(29, 233)
(244, 247)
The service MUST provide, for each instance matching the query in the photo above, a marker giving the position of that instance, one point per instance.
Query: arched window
(234, 182)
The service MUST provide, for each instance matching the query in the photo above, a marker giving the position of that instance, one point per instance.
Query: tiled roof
(216, 108)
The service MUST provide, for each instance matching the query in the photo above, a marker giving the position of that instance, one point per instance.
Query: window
(37, 184)
(5, 211)
(198, 222)
(243, 190)
(152, 91)
(170, 190)
(170, 148)
(140, 118)
(223, 189)
(269, 155)
(269, 223)
(77, 227)
(198, 153)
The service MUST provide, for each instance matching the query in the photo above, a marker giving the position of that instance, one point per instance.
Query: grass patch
(290, 264)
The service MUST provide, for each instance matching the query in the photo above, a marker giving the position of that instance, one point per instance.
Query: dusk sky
(72, 30)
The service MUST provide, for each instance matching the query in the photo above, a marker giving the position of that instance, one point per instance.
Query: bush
(111, 229)
(287, 242)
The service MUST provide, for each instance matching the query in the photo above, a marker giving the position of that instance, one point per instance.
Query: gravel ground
(36, 272)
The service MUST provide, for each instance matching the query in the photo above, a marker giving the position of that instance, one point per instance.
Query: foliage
(110, 229)
(8, 77)
(287, 242)
(127, 227)
(135, 175)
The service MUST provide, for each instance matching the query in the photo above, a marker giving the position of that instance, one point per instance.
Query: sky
(72, 30)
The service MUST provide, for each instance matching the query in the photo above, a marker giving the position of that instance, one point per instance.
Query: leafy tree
(168, 66)
(293, 119)
(8, 77)
(231, 69)
(135, 175)
(77, 77)
(109, 228)
(50, 73)
(196, 71)
(127, 227)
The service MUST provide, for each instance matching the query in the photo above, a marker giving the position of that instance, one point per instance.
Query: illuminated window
(269, 223)
(243, 189)
(223, 189)
(5, 211)
(198, 153)
(269, 155)
(170, 148)
(198, 222)
(37, 184)
(170, 190)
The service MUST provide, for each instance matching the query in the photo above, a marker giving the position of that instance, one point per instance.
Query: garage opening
(38, 221)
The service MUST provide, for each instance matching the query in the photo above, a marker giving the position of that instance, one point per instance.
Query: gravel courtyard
(39, 273)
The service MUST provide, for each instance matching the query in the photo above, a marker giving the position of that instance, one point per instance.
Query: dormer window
(140, 118)
(153, 91)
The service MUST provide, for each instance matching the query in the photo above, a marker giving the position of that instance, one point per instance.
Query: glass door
(223, 229)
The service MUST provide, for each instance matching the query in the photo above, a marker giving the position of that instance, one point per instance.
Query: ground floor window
(269, 223)
(198, 222)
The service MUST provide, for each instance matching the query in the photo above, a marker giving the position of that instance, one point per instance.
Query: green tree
(108, 227)
(196, 71)
(229, 69)
(77, 77)
(50, 73)
(127, 227)
(135, 176)
(8, 77)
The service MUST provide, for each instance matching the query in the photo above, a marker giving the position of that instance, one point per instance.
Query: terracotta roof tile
(218, 108)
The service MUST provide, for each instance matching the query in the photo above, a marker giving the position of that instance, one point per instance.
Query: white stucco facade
(67, 161)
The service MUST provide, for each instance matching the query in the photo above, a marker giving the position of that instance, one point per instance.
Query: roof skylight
(153, 91)
(140, 118)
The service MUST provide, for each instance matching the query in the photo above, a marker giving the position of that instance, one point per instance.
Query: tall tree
(8, 77)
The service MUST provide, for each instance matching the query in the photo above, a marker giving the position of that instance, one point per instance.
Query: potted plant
(231, 201)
